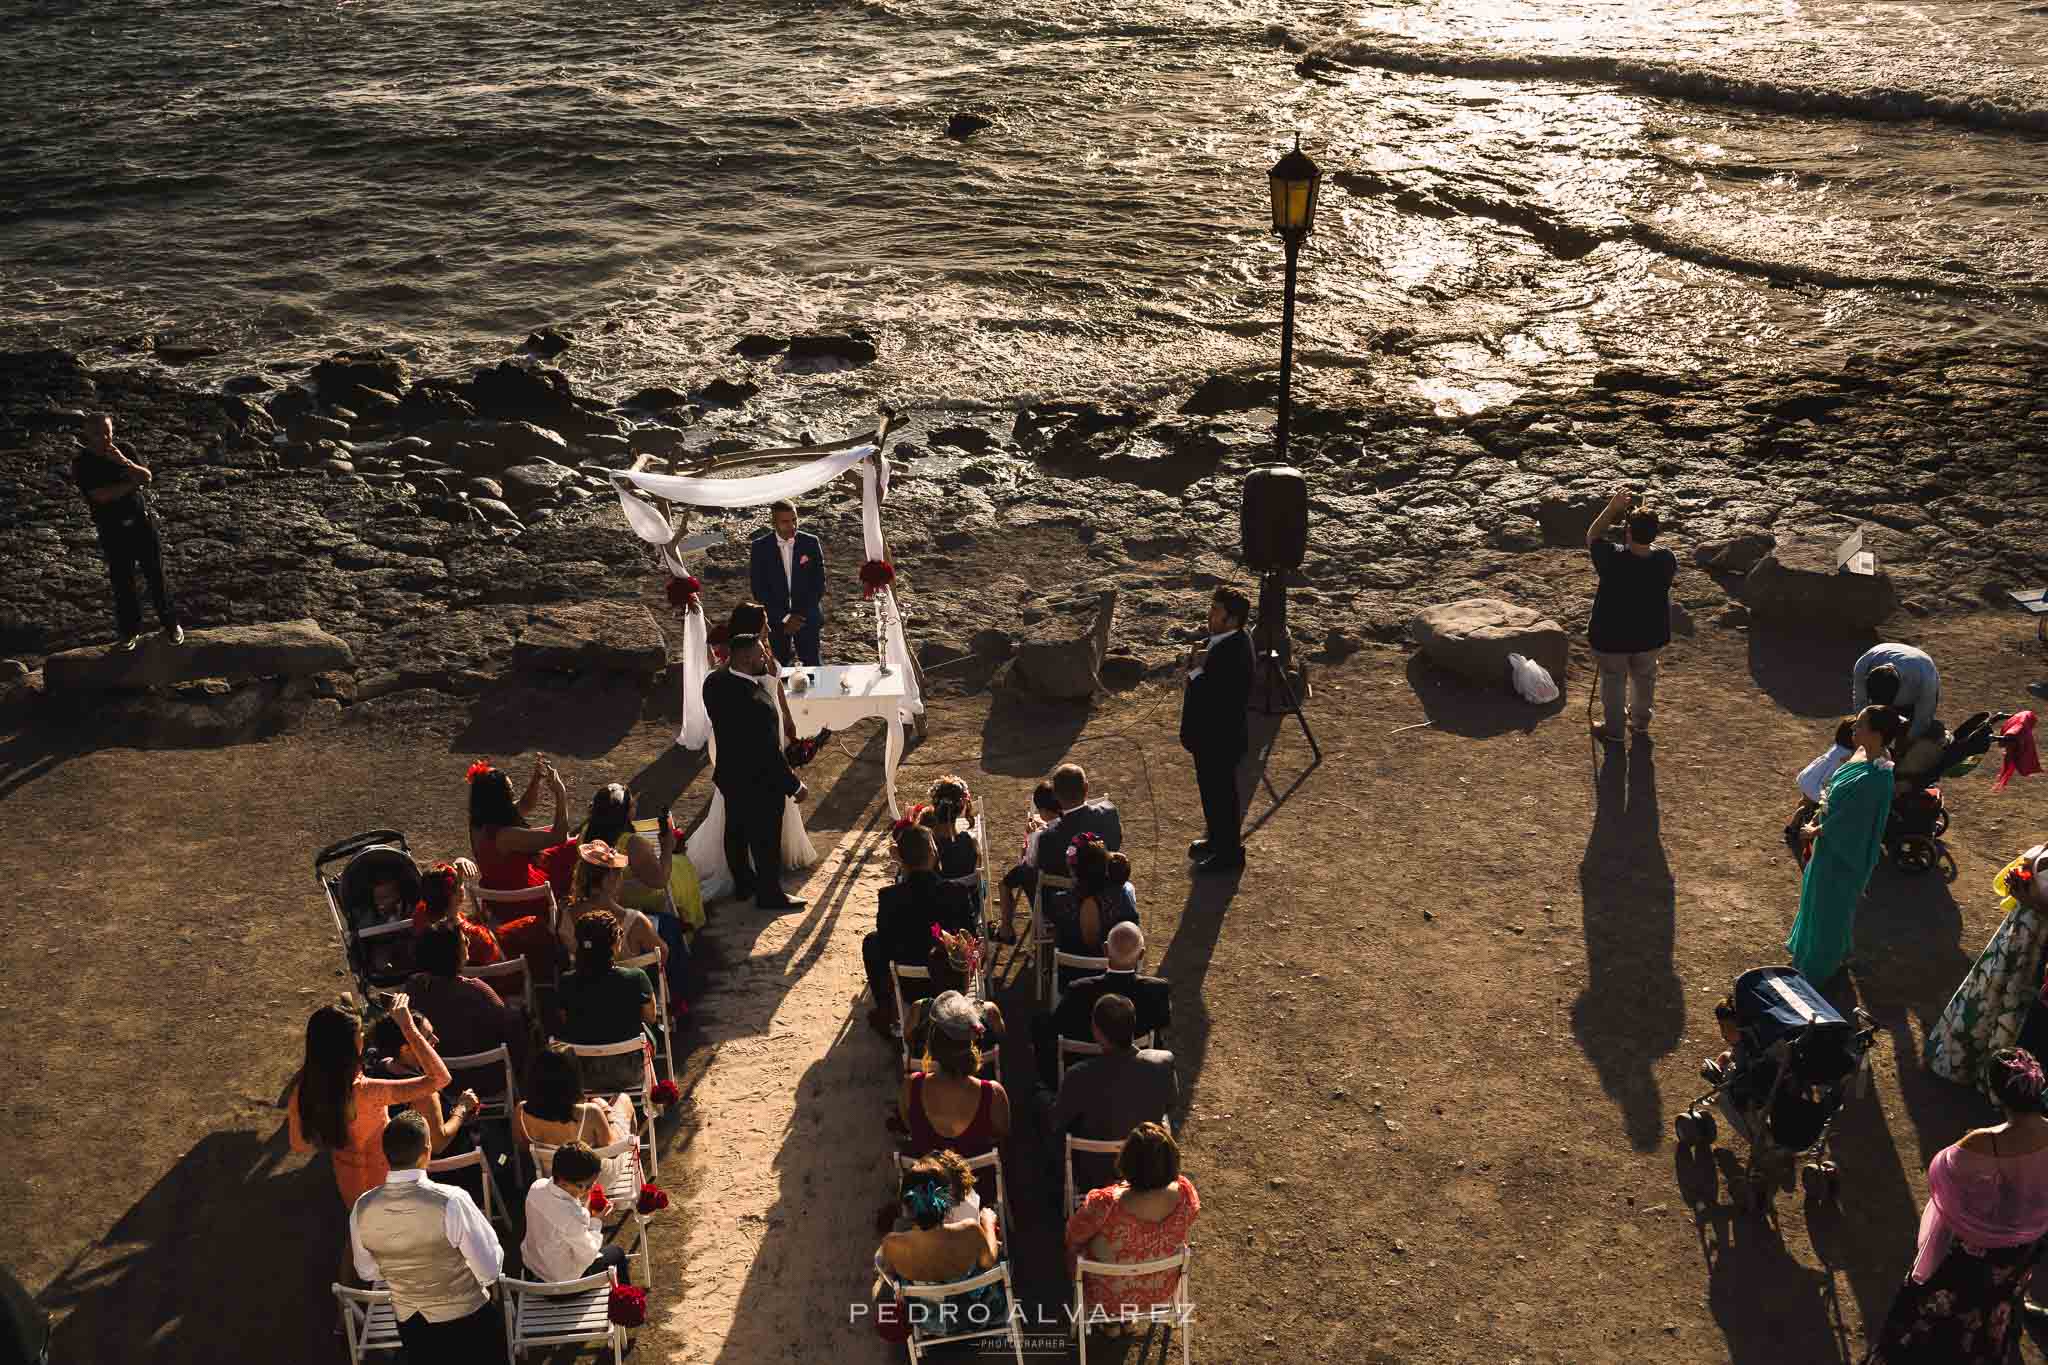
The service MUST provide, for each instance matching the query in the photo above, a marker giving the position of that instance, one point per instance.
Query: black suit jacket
(1152, 996)
(906, 912)
(1212, 710)
(748, 728)
(1099, 818)
(774, 590)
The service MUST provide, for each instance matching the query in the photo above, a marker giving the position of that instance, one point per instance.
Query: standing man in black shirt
(1213, 729)
(112, 482)
(1631, 614)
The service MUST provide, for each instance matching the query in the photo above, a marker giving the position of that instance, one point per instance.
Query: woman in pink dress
(1144, 1217)
(335, 1106)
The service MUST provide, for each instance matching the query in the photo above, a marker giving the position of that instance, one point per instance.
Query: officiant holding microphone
(1214, 730)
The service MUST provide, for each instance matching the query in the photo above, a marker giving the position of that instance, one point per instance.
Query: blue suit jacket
(773, 591)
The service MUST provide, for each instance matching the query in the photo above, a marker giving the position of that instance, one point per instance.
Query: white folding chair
(499, 1108)
(1092, 1147)
(509, 977)
(621, 1180)
(1089, 966)
(1003, 1324)
(1042, 935)
(643, 1104)
(982, 1166)
(474, 1159)
(499, 906)
(652, 829)
(539, 1315)
(1183, 1316)
(651, 964)
(367, 1320)
(1070, 1047)
(898, 974)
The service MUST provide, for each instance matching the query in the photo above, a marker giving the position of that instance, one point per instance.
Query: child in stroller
(1791, 1062)
(372, 901)
(1919, 817)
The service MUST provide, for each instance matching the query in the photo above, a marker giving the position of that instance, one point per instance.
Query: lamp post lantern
(1296, 181)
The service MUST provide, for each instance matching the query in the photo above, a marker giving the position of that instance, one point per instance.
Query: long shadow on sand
(1019, 734)
(1808, 675)
(1633, 1009)
(33, 754)
(1457, 707)
(216, 1264)
(583, 719)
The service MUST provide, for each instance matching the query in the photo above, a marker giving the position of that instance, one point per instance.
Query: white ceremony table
(835, 696)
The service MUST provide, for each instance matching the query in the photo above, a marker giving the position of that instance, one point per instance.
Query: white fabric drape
(696, 731)
(755, 491)
(705, 847)
(894, 650)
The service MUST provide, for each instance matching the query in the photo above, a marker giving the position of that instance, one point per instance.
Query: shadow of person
(1805, 673)
(1457, 707)
(1770, 1307)
(227, 1258)
(1632, 1010)
(1024, 738)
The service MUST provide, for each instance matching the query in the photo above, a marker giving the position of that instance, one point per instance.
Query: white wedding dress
(706, 847)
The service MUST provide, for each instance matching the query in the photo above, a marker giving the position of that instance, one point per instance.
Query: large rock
(1054, 662)
(288, 649)
(339, 374)
(592, 637)
(1474, 637)
(1735, 554)
(818, 352)
(526, 484)
(491, 448)
(1797, 583)
(1231, 393)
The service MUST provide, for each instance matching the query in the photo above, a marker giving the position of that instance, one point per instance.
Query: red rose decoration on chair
(876, 575)
(683, 593)
(599, 1201)
(653, 1199)
(664, 1093)
(628, 1306)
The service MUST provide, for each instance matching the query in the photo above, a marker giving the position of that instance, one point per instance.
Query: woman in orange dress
(336, 1107)
(1145, 1217)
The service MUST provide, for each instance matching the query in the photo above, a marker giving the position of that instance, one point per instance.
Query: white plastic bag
(1532, 680)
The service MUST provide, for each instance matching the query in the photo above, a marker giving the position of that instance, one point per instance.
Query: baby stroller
(379, 949)
(1793, 1065)
(1912, 837)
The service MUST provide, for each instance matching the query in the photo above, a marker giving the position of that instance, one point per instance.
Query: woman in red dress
(499, 839)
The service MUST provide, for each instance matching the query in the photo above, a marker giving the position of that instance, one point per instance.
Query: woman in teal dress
(1843, 844)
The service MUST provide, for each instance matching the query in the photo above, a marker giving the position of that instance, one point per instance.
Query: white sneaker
(177, 634)
(129, 643)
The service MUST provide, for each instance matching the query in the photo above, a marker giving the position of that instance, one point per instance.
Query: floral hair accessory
(627, 1306)
(927, 1199)
(480, 768)
(963, 950)
(875, 576)
(1074, 849)
(901, 824)
(2024, 1074)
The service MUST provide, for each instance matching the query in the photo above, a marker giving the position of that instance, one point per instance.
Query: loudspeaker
(1275, 518)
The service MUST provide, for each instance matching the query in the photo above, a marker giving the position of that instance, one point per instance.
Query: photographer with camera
(1631, 614)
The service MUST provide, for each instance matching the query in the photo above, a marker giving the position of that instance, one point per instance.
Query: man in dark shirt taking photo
(112, 482)
(1631, 614)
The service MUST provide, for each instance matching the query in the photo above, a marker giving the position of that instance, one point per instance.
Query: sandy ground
(1432, 1042)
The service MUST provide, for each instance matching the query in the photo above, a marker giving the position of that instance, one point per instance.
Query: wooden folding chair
(367, 1321)
(921, 1340)
(643, 1103)
(498, 1108)
(621, 1180)
(651, 964)
(540, 1316)
(499, 906)
(1092, 1147)
(1182, 1316)
(898, 974)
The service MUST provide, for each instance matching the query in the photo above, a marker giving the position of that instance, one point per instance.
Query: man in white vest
(436, 1251)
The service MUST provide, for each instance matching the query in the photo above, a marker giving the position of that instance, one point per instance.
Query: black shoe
(1220, 864)
(742, 892)
(783, 904)
(1199, 849)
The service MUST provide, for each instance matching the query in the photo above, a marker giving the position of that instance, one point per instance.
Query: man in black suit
(1213, 729)
(752, 773)
(787, 573)
(904, 916)
(1151, 996)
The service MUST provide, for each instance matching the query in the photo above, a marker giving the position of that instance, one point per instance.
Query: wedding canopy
(656, 506)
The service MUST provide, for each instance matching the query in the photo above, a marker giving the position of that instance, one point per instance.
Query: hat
(2036, 858)
(598, 853)
(954, 1015)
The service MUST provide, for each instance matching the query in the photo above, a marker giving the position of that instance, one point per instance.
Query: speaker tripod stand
(1270, 644)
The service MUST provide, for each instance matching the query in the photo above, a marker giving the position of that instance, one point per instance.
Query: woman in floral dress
(1992, 1004)
(1987, 1211)
(1145, 1217)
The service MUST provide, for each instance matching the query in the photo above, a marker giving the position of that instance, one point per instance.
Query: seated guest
(904, 916)
(651, 863)
(1045, 812)
(398, 1059)
(499, 840)
(602, 1003)
(949, 804)
(444, 900)
(951, 1107)
(1102, 899)
(599, 877)
(948, 1240)
(1104, 1098)
(951, 966)
(1078, 816)
(556, 1110)
(564, 1239)
(1144, 1216)
(468, 1012)
(1151, 996)
(336, 1107)
(433, 1249)
(950, 1017)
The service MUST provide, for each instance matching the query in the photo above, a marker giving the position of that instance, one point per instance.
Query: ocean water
(1518, 193)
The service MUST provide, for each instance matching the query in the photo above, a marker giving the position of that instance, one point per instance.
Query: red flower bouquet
(683, 592)
(876, 575)
(628, 1306)
(599, 1201)
(799, 752)
(653, 1199)
(664, 1093)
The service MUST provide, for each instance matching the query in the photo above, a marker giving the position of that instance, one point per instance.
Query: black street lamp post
(1296, 181)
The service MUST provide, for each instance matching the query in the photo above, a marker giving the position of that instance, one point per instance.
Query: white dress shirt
(1214, 640)
(469, 1232)
(562, 1235)
(788, 549)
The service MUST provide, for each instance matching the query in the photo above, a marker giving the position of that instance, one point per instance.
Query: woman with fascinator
(1998, 1005)
(939, 1249)
(1102, 899)
(1987, 1212)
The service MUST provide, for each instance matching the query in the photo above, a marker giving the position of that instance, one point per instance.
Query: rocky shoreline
(424, 519)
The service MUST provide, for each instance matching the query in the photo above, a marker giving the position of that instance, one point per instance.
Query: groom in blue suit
(787, 573)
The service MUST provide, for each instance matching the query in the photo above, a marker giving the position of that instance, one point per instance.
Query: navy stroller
(1796, 1061)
